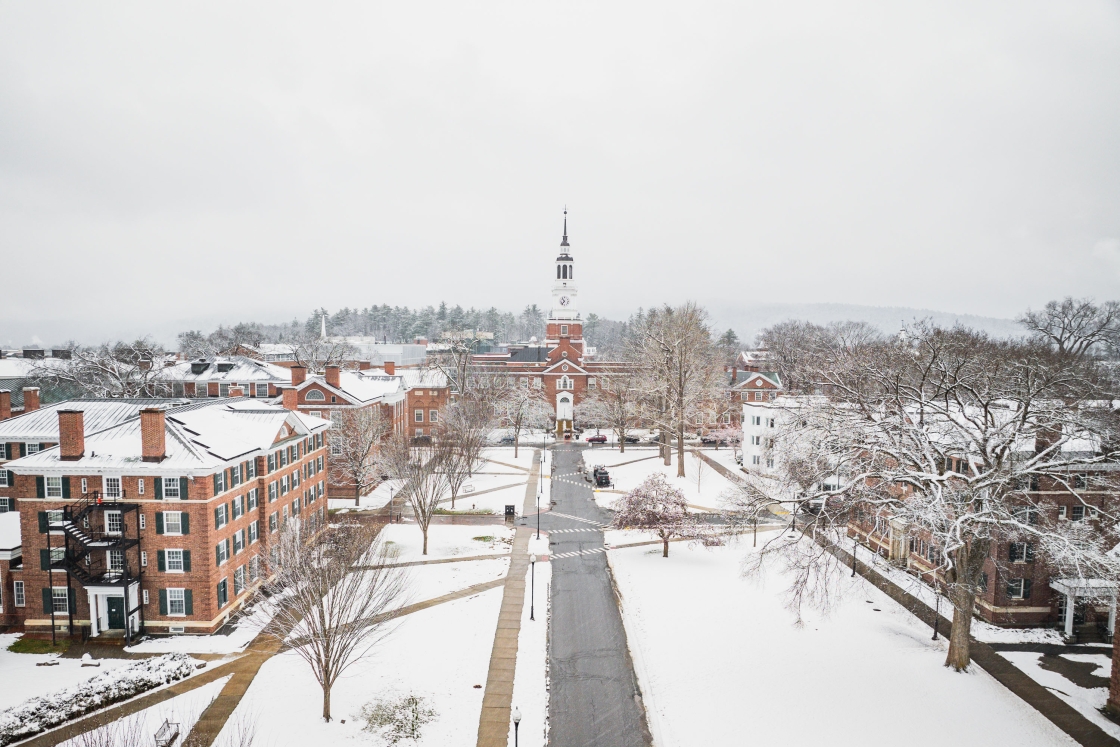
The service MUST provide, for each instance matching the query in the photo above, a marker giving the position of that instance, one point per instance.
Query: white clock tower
(564, 289)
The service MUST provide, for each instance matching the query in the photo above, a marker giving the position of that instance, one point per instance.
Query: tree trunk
(326, 703)
(959, 655)
(516, 439)
(453, 492)
(425, 541)
(680, 449)
(666, 448)
(622, 443)
(665, 550)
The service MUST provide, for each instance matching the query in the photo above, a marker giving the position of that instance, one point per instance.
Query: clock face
(564, 300)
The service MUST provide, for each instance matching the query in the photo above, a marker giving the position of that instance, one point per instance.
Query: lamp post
(516, 723)
(937, 608)
(391, 507)
(855, 547)
(533, 587)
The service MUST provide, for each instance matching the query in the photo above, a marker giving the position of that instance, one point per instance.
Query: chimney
(330, 373)
(236, 391)
(30, 398)
(364, 365)
(153, 434)
(299, 375)
(390, 368)
(291, 397)
(5, 404)
(71, 435)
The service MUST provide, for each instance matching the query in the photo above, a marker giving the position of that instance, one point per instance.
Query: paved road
(594, 698)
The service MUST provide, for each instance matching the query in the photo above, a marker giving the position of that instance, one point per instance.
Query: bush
(398, 718)
(47, 711)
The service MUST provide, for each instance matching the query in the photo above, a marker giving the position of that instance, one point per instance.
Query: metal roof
(39, 426)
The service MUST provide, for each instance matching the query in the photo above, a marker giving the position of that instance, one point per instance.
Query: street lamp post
(392, 508)
(516, 724)
(855, 547)
(533, 587)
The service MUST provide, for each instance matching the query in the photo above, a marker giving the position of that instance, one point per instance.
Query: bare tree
(423, 477)
(523, 407)
(948, 433)
(334, 592)
(355, 438)
(1076, 326)
(455, 358)
(656, 506)
(673, 351)
(800, 349)
(112, 371)
(613, 405)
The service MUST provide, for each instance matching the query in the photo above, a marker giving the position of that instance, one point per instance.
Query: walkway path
(497, 700)
(594, 700)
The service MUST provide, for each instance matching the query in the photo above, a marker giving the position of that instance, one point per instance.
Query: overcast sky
(194, 162)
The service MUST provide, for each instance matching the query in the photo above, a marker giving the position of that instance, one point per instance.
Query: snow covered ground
(245, 629)
(702, 486)
(21, 679)
(440, 653)
(719, 658)
(530, 682)
(183, 709)
(1087, 701)
(448, 540)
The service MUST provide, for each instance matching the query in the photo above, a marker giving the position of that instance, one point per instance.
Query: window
(283, 457)
(176, 602)
(295, 480)
(143, 521)
(143, 559)
(1077, 513)
(254, 531)
(538, 383)
(272, 491)
(336, 448)
(239, 581)
(770, 422)
(251, 469)
(5, 503)
(419, 432)
(284, 485)
(116, 561)
(254, 568)
(320, 491)
(85, 486)
(564, 329)
(32, 448)
(758, 396)
(172, 522)
(4, 479)
(54, 487)
(418, 416)
(252, 500)
(756, 420)
(145, 596)
(770, 462)
(60, 600)
(112, 487)
(1019, 588)
(756, 459)
(433, 416)
(221, 552)
(272, 522)
(238, 507)
(1020, 552)
(238, 541)
(114, 522)
(1062, 512)
(756, 440)
(140, 486)
(221, 516)
(319, 464)
(20, 596)
(223, 593)
(171, 487)
(524, 383)
(3, 451)
(314, 395)
(295, 507)
(173, 561)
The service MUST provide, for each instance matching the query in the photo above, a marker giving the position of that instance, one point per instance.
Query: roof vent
(198, 367)
(225, 367)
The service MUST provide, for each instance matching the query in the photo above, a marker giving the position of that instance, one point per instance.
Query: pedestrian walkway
(497, 700)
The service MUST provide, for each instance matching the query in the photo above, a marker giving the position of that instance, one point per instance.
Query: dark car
(712, 440)
(602, 477)
(505, 441)
(597, 439)
(632, 440)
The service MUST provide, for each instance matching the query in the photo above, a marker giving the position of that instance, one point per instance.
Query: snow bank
(45, 712)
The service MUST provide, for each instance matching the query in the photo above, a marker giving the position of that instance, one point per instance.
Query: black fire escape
(96, 554)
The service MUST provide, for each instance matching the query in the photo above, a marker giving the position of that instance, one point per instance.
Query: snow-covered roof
(428, 378)
(39, 426)
(9, 532)
(358, 387)
(745, 379)
(200, 438)
(234, 368)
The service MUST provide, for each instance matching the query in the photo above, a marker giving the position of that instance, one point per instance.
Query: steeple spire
(564, 241)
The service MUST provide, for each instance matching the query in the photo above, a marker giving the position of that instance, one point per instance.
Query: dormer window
(225, 367)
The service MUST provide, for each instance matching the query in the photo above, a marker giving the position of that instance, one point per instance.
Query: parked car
(505, 441)
(712, 440)
(597, 439)
(602, 477)
(632, 440)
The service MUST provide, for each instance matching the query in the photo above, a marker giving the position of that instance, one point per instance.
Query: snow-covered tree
(423, 478)
(112, 371)
(355, 438)
(656, 506)
(333, 593)
(613, 405)
(523, 407)
(1076, 327)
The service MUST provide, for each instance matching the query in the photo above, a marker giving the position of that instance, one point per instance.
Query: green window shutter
(159, 488)
(188, 601)
(159, 522)
(42, 522)
(1026, 588)
(244, 471)
(40, 487)
(48, 603)
(163, 601)
(22, 450)
(66, 487)
(218, 554)
(217, 518)
(216, 481)
(183, 490)
(185, 522)
(186, 561)
(44, 559)
(161, 561)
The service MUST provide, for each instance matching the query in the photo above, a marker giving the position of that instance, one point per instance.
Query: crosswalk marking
(563, 531)
(580, 519)
(591, 551)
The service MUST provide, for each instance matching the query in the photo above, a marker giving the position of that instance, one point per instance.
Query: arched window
(571, 271)
(565, 382)
(565, 271)
(314, 396)
(557, 272)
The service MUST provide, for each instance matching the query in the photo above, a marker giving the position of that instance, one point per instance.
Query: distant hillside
(747, 321)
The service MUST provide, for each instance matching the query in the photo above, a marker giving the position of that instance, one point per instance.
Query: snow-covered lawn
(21, 679)
(448, 540)
(524, 458)
(439, 653)
(430, 581)
(183, 709)
(530, 683)
(245, 629)
(702, 486)
(719, 658)
(1087, 701)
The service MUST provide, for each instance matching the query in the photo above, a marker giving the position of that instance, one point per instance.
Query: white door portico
(1074, 588)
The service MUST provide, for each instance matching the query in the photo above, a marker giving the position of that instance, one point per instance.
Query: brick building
(158, 524)
(204, 378)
